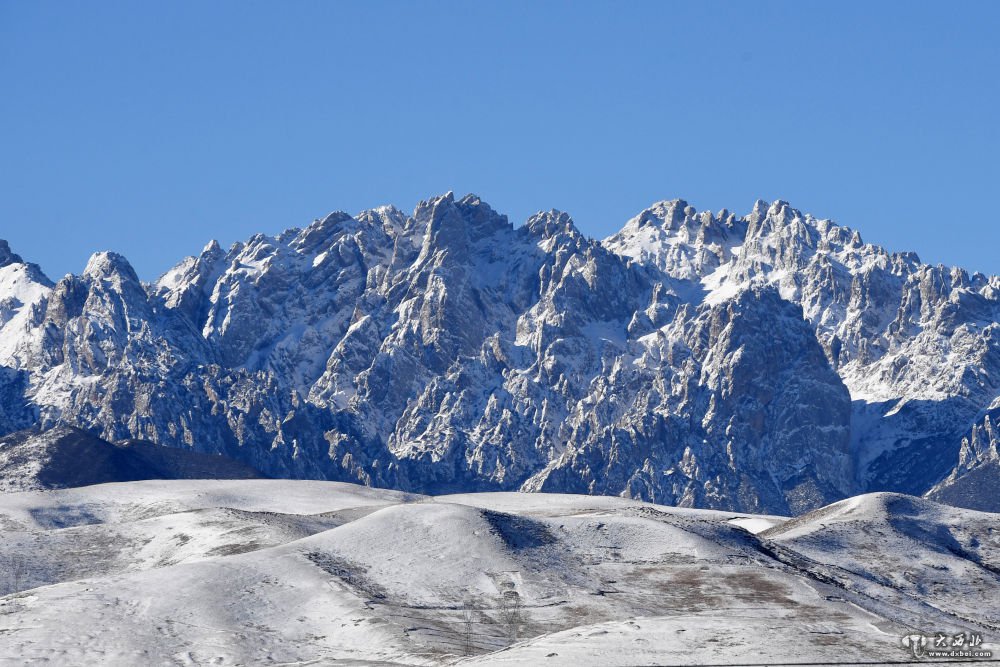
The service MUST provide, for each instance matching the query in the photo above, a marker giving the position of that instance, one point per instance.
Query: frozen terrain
(298, 572)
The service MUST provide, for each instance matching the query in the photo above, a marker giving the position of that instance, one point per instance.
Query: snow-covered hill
(300, 572)
(771, 362)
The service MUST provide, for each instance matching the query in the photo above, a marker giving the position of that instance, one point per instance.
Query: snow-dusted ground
(296, 572)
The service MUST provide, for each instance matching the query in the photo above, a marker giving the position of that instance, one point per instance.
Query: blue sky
(150, 128)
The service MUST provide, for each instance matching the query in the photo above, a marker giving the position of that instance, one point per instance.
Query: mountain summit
(771, 362)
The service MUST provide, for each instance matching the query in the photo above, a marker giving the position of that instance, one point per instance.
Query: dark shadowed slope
(66, 457)
(975, 482)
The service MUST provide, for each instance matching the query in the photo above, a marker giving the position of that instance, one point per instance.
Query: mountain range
(771, 362)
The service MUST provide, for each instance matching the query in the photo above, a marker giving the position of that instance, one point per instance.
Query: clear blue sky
(151, 127)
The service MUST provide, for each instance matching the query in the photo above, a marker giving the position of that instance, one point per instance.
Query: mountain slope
(974, 481)
(770, 363)
(66, 457)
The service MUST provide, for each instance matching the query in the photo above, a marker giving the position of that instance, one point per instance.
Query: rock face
(769, 363)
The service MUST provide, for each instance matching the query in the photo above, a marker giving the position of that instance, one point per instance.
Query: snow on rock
(771, 362)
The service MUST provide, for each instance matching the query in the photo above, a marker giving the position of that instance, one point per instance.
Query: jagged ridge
(771, 362)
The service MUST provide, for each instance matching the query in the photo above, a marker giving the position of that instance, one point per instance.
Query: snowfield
(258, 572)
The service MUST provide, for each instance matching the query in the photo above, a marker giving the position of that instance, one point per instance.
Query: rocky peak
(669, 214)
(321, 233)
(548, 224)
(389, 218)
(7, 257)
(109, 266)
(116, 292)
(776, 218)
(457, 227)
(23, 279)
(674, 238)
(694, 358)
(758, 211)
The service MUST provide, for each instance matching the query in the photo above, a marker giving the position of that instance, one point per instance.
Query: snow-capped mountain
(770, 363)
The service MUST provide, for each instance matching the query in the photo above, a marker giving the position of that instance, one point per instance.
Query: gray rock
(769, 363)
